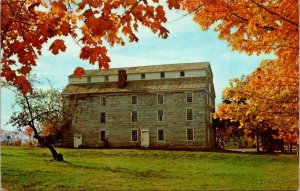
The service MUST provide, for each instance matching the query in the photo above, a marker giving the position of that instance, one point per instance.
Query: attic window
(143, 76)
(182, 74)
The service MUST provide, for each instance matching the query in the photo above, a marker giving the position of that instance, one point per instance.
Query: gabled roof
(150, 69)
(197, 83)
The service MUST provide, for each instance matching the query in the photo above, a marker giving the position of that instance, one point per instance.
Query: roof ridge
(150, 68)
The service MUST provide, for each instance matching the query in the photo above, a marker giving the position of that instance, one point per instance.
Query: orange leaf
(79, 72)
(57, 45)
(173, 4)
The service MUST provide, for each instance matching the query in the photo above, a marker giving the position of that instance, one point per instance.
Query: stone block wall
(118, 124)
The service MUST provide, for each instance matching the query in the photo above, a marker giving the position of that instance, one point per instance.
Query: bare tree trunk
(257, 143)
(290, 147)
(42, 141)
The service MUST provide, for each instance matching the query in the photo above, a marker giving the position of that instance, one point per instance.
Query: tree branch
(274, 13)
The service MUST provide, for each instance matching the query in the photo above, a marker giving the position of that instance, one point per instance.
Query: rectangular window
(134, 116)
(74, 121)
(102, 135)
(76, 102)
(134, 135)
(182, 74)
(160, 99)
(88, 79)
(103, 101)
(134, 100)
(189, 97)
(162, 75)
(189, 114)
(143, 76)
(106, 78)
(160, 135)
(102, 117)
(160, 115)
(189, 134)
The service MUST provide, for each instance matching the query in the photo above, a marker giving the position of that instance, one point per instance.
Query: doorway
(77, 140)
(145, 138)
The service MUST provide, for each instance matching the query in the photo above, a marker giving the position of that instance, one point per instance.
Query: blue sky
(186, 43)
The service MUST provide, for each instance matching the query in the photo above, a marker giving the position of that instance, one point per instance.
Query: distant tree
(29, 132)
(40, 109)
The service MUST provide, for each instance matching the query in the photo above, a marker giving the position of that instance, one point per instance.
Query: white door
(145, 138)
(77, 140)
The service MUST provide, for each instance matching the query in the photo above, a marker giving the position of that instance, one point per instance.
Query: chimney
(122, 78)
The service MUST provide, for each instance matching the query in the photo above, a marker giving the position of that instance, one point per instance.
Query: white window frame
(132, 117)
(104, 118)
(101, 100)
(186, 97)
(163, 99)
(162, 115)
(186, 116)
(186, 134)
(136, 100)
(137, 135)
(163, 134)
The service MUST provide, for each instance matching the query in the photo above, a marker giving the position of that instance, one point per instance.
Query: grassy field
(115, 169)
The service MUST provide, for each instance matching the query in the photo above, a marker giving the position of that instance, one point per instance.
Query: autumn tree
(27, 25)
(44, 113)
(256, 27)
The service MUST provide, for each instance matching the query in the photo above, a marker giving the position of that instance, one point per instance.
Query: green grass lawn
(116, 169)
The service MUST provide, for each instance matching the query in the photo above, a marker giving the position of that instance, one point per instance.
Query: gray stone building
(160, 106)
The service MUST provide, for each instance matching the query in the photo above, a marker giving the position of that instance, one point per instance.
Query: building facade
(160, 107)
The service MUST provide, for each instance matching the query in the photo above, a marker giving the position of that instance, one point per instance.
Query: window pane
(182, 74)
(106, 78)
(162, 75)
(76, 102)
(189, 97)
(102, 135)
(160, 115)
(103, 101)
(133, 100)
(143, 76)
(134, 116)
(189, 114)
(189, 134)
(161, 135)
(134, 135)
(102, 118)
(160, 99)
